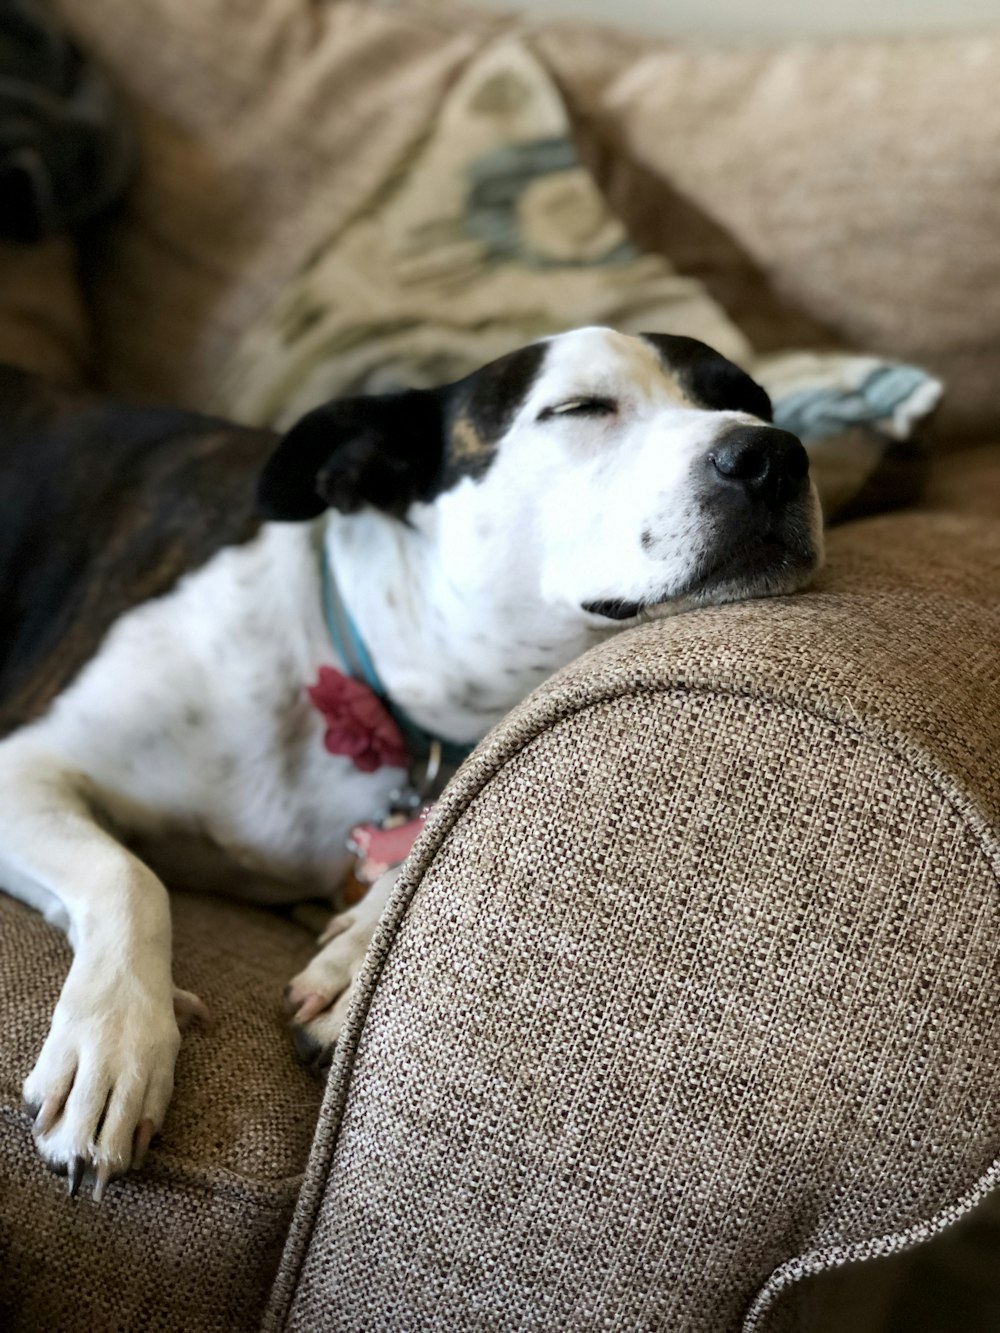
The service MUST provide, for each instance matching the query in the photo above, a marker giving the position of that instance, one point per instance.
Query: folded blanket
(66, 149)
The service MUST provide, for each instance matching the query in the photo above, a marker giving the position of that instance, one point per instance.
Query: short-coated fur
(160, 639)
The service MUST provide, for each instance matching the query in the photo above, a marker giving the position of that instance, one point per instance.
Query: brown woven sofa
(689, 991)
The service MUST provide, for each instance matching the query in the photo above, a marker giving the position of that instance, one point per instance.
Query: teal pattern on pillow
(492, 234)
(501, 188)
(890, 397)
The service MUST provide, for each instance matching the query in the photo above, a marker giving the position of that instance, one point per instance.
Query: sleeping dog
(161, 641)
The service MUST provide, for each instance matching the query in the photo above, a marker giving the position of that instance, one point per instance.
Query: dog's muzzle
(760, 526)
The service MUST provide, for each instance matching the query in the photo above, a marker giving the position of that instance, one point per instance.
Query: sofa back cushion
(855, 181)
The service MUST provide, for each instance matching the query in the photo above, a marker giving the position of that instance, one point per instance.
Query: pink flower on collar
(357, 722)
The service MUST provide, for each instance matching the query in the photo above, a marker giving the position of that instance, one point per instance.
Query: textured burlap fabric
(689, 989)
(193, 1243)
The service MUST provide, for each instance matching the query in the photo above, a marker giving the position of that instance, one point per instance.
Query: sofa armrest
(689, 987)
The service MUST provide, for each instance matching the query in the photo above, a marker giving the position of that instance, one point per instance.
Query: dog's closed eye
(580, 407)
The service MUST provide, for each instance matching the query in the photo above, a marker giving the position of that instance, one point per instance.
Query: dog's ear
(709, 378)
(385, 450)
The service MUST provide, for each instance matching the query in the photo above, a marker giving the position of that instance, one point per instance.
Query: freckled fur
(467, 593)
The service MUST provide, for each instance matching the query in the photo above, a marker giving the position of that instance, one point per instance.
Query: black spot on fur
(102, 506)
(385, 450)
(392, 450)
(648, 540)
(489, 400)
(711, 380)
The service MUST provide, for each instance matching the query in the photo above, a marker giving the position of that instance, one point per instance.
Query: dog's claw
(313, 1004)
(48, 1114)
(73, 1177)
(143, 1137)
(100, 1184)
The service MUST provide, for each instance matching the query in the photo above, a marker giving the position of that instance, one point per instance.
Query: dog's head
(635, 474)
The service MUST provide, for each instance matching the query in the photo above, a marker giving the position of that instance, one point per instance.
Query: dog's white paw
(100, 1087)
(319, 997)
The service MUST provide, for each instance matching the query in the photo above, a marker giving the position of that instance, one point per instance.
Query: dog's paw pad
(311, 1050)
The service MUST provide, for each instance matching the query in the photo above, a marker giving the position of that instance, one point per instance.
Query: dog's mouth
(758, 565)
(615, 610)
(765, 566)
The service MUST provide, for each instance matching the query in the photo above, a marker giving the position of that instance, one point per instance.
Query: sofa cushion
(491, 233)
(261, 125)
(688, 989)
(192, 1242)
(266, 126)
(860, 174)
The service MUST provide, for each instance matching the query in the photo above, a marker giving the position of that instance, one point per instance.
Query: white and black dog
(160, 642)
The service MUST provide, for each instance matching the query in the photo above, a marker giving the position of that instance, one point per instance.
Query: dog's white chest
(194, 725)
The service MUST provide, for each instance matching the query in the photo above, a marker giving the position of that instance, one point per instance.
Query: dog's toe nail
(101, 1183)
(143, 1138)
(32, 1108)
(48, 1115)
(188, 1006)
(74, 1175)
(311, 1005)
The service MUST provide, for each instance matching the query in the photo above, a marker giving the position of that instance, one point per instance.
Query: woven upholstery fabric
(262, 124)
(966, 481)
(689, 988)
(193, 1242)
(265, 125)
(860, 174)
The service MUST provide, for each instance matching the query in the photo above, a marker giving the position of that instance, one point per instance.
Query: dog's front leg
(320, 996)
(100, 1087)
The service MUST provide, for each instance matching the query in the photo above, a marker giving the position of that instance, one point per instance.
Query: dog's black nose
(771, 464)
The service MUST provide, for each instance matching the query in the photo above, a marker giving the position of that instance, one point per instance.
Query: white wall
(743, 19)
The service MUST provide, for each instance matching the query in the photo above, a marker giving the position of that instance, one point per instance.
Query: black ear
(386, 451)
(709, 378)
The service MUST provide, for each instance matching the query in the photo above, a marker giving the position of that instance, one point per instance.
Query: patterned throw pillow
(491, 234)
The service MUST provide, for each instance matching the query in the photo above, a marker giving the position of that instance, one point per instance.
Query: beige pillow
(262, 126)
(492, 233)
(863, 175)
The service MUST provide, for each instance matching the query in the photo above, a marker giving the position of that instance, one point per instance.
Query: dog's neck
(457, 640)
